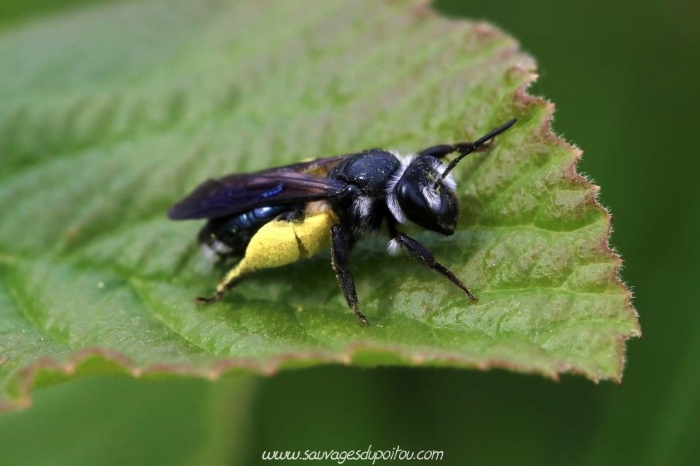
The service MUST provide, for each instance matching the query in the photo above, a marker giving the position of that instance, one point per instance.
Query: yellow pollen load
(280, 243)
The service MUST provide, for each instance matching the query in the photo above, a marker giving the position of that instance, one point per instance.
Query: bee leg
(425, 256)
(340, 251)
(221, 290)
(277, 243)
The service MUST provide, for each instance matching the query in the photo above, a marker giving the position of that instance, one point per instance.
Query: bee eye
(421, 197)
(411, 201)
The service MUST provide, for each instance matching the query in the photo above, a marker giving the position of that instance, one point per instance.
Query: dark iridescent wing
(317, 167)
(291, 184)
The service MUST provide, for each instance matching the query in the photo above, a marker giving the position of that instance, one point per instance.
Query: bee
(277, 216)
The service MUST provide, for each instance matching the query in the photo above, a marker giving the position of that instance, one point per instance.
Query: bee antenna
(466, 148)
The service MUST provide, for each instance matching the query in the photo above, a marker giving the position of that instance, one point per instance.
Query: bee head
(422, 190)
(419, 194)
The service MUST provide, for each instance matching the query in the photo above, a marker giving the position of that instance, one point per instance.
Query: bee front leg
(340, 252)
(421, 253)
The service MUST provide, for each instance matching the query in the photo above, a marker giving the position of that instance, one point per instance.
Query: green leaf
(111, 114)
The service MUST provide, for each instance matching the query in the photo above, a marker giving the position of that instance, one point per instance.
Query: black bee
(277, 216)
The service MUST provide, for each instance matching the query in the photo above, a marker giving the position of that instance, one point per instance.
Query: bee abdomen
(229, 236)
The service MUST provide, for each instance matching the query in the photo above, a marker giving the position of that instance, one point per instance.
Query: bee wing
(317, 167)
(241, 192)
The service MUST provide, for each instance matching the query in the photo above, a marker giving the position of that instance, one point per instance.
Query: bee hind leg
(277, 243)
(226, 284)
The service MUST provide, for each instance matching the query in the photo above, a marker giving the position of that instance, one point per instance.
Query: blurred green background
(624, 79)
